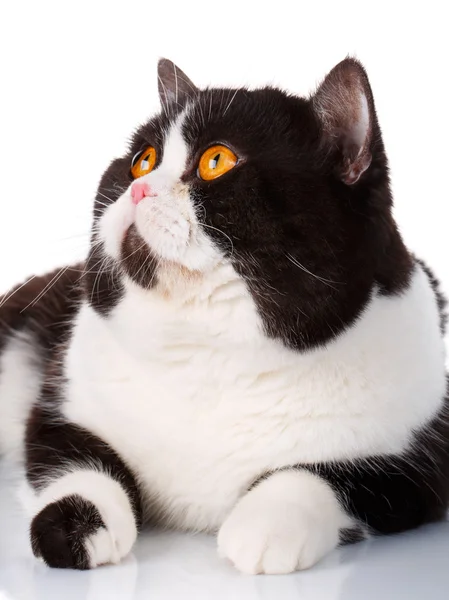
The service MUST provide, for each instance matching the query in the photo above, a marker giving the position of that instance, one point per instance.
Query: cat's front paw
(275, 530)
(70, 533)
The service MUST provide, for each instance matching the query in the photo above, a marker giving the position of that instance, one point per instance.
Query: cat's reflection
(108, 583)
(165, 566)
(171, 565)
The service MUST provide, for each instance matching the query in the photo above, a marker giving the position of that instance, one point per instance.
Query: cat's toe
(273, 539)
(70, 534)
(272, 548)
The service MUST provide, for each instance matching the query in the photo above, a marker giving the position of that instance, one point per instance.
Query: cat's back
(35, 318)
(42, 306)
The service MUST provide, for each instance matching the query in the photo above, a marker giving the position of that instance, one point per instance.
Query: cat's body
(208, 396)
(284, 407)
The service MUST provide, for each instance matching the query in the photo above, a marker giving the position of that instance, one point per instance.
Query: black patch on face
(137, 260)
(114, 182)
(59, 532)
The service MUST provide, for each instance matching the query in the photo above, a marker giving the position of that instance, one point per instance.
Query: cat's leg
(85, 503)
(287, 522)
(292, 518)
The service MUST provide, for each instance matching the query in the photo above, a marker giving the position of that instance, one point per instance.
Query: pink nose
(139, 191)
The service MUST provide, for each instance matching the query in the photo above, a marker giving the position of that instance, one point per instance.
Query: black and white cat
(249, 348)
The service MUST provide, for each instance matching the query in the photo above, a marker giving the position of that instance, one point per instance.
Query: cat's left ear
(174, 85)
(344, 105)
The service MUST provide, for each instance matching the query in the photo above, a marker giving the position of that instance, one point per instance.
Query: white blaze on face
(167, 220)
(174, 158)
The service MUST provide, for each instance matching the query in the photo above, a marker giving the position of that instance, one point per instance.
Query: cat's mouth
(157, 232)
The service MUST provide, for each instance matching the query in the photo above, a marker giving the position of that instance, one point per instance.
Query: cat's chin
(150, 271)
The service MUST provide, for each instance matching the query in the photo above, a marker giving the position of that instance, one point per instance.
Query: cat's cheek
(114, 223)
(202, 253)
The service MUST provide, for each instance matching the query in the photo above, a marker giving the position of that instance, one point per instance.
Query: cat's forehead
(225, 114)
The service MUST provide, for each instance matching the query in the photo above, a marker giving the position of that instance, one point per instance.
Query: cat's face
(290, 191)
(225, 166)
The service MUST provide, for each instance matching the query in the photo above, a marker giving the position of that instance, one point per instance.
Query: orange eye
(143, 162)
(215, 162)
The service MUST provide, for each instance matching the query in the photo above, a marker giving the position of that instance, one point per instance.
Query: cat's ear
(174, 85)
(344, 105)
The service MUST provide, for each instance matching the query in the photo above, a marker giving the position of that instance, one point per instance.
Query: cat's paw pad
(70, 533)
(273, 539)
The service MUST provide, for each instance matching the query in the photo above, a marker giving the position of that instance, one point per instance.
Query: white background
(77, 77)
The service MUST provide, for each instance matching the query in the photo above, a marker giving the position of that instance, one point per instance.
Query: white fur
(106, 545)
(102, 548)
(287, 522)
(20, 379)
(200, 402)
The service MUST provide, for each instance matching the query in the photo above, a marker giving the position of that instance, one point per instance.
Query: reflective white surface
(173, 565)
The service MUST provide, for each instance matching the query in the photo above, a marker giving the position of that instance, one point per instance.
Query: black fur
(59, 531)
(441, 299)
(351, 536)
(102, 284)
(49, 321)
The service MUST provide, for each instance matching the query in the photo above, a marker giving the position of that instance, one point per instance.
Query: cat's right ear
(174, 85)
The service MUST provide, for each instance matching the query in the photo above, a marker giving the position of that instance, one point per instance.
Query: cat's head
(292, 192)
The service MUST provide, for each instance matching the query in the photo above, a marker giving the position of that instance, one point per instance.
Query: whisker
(223, 233)
(11, 294)
(230, 102)
(328, 282)
(104, 196)
(176, 83)
(145, 262)
(47, 288)
(210, 105)
(98, 278)
(120, 189)
(102, 203)
(164, 101)
(133, 252)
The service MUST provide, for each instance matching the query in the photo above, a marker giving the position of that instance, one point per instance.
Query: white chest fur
(200, 403)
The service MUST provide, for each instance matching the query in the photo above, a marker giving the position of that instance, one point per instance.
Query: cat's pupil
(214, 162)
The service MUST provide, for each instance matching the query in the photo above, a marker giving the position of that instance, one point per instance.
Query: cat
(249, 348)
